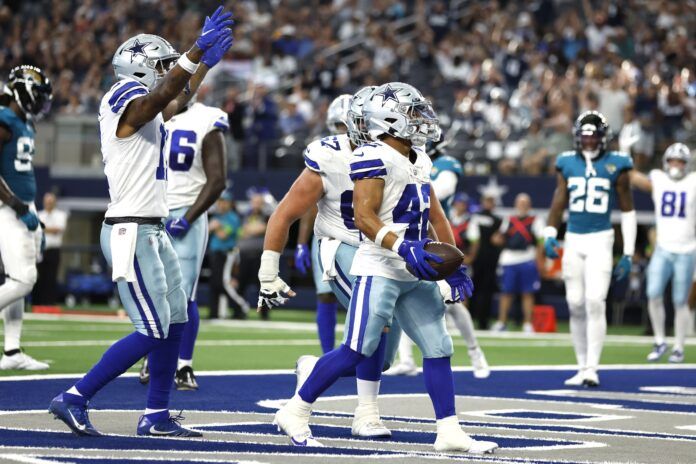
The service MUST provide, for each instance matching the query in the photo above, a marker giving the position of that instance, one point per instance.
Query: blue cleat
(168, 427)
(75, 416)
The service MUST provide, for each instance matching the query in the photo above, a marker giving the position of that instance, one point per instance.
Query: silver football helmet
(145, 58)
(357, 131)
(676, 151)
(400, 110)
(338, 113)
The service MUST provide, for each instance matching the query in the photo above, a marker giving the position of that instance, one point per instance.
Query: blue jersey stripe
(221, 125)
(127, 97)
(373, 163)
(311, 164)
(123, 89)
(368, 174)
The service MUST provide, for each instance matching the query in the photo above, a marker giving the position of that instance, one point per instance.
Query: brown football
(451, 256)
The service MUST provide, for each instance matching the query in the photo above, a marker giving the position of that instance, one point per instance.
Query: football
(451, 256)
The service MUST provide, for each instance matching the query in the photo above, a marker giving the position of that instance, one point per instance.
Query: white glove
(449, 295)
(274, 291)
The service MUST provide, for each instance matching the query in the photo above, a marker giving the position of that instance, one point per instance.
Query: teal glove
(623, 268)
(550, 247)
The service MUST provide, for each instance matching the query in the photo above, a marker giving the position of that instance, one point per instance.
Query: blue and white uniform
(444, 177)
(675, 219)
(19, 247)
(184, 147)
(136, 170)
(384, 288)
(335, 236)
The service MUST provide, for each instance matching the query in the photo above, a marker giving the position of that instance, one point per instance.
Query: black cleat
(144, 372)
(185, 379)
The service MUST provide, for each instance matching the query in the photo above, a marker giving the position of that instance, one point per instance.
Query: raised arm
(640, 180)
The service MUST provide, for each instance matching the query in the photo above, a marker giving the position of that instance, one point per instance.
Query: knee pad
(596, 308)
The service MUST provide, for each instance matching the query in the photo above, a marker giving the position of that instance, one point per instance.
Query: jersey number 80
(589, 195)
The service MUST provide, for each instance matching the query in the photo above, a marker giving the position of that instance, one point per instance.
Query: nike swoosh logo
(298, 443)
(77, 425)
(413, 254)
(207, 32)
(154, 431)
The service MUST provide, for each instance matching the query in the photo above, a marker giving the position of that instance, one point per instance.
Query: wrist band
(397, 244)
(381, 233)
(550, 232)
(187, 65)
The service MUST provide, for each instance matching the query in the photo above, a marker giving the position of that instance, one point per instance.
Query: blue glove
(417, 258)
(303, 259)
(178, 227)
(550, 246)
(461, 284)
(623, 268)
(215, 27)
(214, 54)
(30, 219)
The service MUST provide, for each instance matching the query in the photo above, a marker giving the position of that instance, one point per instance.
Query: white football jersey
(185, 134)
(675, 211)
(405, 205)
(134, 166)
(331, 157)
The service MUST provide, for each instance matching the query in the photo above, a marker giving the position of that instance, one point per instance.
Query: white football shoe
(528, 328)
(367, 423)
(402, 368)
(657, 352)
(451, 437)
(499, 326)
(591, 378)
(479, 363)
(677, 356)
(304, 366)
(576, 380)
(293, 420)
(21, 361)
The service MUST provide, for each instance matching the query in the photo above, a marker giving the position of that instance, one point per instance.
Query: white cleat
(21, 361)
(576, 380)
(367, 423)
(304, 367)
(659, 349)
(499, 326)
(677, 356)
(294, 422)
(402, 368)
(591, 378)
(479, 363)
(454, 440)
(528, 328)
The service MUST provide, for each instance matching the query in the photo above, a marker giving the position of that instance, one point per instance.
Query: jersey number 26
(589, 195)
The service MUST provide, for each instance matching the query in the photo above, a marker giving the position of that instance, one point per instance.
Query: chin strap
(589, 168)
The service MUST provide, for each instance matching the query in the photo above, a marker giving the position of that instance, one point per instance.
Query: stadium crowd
(508, 78)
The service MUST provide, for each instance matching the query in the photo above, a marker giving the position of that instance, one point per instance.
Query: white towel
(327, 254)
(123, 239)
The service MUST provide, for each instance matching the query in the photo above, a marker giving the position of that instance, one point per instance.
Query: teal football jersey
(16, 156)
(443, 164)
(591, 199)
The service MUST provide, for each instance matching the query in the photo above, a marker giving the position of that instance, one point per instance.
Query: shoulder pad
(123, 92)
(6, 116)
(623, 160)
(448, 163)
(367, 163)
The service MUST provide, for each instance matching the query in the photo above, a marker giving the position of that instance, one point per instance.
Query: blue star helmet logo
(388, 94)
(137, 49)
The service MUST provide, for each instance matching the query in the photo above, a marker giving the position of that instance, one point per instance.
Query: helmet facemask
(423, 124)
(676, 161)
(31, 90)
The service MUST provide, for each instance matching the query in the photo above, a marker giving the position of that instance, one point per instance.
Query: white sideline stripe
(37, 460)
(686, 427)
(559, 367)
(24, 458)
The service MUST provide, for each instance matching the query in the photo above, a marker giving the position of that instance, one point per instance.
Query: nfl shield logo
(122, 231)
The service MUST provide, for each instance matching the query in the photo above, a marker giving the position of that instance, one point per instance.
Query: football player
(444, 178)
(392, 203)
(152, 78)
(26, 96)
(327, 304)
(197, 167)
(590, 180)
(674, 195)
(325, 183)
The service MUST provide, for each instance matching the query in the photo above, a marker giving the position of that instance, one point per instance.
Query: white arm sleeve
(445, 184)
(629, 230)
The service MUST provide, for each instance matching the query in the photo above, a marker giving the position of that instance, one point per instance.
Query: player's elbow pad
(629, 230)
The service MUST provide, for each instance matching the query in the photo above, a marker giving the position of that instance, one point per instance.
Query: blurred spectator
(459, 217)
(224, 227)
(55, 220)
(521, 237)
(251, 243)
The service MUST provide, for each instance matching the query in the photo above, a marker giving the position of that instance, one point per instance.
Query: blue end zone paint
(540, 415)
(398, 436)
(126, 460)
(215, 391)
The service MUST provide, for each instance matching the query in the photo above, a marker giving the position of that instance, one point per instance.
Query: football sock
(596, 331)
(462, 320)
(370, 368)
(116, 360)
(656, 310)
(327, 370)
(157, 415)
(439, 382)
(578, 332)
(184, 363)
(162, 362)
(326, 325)
(681, 326)
(406, 350)
(188, 338)
(368, 390)
(13, 315)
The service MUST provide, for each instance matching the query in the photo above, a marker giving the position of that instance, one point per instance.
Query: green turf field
(73, 346)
